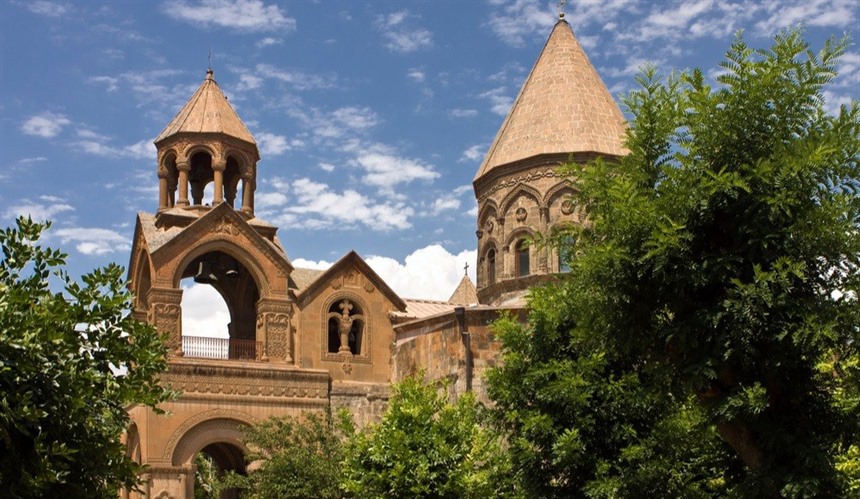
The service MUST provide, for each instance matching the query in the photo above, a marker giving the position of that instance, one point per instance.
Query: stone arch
(230, 248)
(521, 190)
(367, 333)
(488, 208)
(213, 431)
(557, 190)
(196, 147)
(489, 259)
(555, 256)
(512, 243)
(143, 273)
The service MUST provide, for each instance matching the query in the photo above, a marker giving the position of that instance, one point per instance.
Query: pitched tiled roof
(418, 309)
(563, 107)
(208, 112)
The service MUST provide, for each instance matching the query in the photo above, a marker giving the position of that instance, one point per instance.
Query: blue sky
(371, 117)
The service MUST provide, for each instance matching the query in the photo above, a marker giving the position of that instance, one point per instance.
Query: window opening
(345, 328)
(523, 258)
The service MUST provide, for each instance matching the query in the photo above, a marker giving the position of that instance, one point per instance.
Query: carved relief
(567, 207)
(490, 226)
(368, 286)
(351, 278)
(347, 365)
(277, 336)
(516, 181)
(336, 283)
(225, 226)
(166, 319)
(521, 214)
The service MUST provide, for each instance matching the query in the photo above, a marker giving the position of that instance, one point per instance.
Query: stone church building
(307, 340)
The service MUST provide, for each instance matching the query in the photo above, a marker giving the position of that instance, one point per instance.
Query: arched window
(491, 266)
(345, 327)
(522, 256)
(565, 253)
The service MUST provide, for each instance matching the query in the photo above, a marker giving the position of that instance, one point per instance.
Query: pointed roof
(465, 294)
(563, 107)
(208, 112)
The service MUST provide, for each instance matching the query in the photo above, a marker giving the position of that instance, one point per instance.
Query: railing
(203, 347)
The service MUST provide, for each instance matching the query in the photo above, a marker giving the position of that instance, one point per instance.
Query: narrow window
(345, 328)
(565, 254)
(523, 258)
(491, 266)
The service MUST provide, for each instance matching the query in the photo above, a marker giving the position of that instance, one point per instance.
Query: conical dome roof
(563, 107)
(208, 111)
(465, 294)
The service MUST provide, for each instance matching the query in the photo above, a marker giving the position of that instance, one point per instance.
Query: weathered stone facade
(308, 340)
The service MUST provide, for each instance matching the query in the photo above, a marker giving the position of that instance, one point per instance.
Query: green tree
(425, 446)
(717, 274)
(292, 457)
(70, 364)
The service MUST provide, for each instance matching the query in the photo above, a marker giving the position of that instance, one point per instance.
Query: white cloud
(298, 79)
(242, 15)
(500, 102)
(314, 205)
(204, 312)
(94, 241)
(144, 149)
(269, 41)
(45, 125)
(416, 75)
(40, 211)
(385, 170)
(463, 113)
(444, 203)
(274, 145)
(402, 38)
(248, 82)
(30, 161)
(430, 273)
(472, 153)
(522, 19)
(782, 14)
(327, 167)
(356, 118)
(45, 8)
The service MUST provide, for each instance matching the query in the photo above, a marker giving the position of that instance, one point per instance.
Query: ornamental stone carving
(278, 336)
(567, 206)
(225, 226)
(521, 214)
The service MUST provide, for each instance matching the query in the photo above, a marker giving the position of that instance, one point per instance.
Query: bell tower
(563, 113)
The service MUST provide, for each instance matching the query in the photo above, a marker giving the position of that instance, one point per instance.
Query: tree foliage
(70, 364)
(713, 291)
(425, 446)
(295, 457)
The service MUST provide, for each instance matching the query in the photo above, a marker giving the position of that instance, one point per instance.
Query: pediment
(351, 271)
(222, 222)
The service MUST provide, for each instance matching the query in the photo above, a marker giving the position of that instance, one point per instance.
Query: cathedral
(309, 340)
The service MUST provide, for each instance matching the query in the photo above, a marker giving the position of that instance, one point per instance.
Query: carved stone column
(165, 313)
(273, 330)
(184, 167)
(543, 250)
(218, 167)
(162, 188)
(248, 187)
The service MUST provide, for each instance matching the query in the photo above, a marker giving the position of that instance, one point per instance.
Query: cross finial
(210, 58)
(561, 8)
(466, 269)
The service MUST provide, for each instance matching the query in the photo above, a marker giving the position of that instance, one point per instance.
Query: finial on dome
(561, 9)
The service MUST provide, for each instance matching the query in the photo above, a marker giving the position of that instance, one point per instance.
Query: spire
(208, 112)
(563, 107)
(465, 294)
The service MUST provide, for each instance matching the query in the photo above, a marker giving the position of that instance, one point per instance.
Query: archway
(211, 464)
(217, 445)
(219, 308)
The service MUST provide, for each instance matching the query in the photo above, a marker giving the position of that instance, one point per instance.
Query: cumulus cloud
(386, 171)
(45, 208)
(242, 15)
(94, 241)
(271, 144)
(204, 312)
(430, 273)
(400, 37)
(46, 125)
(312, 264)
(313, 205)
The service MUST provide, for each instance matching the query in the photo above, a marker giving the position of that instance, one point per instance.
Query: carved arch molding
(215, 425)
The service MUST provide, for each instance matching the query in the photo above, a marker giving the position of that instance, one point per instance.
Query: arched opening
(491, 266)
(522, 258)
(172, 179)
(199, 176)
(211, 463)
(565, 253)
(345, 327)
(219, 314)
(232, 175)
